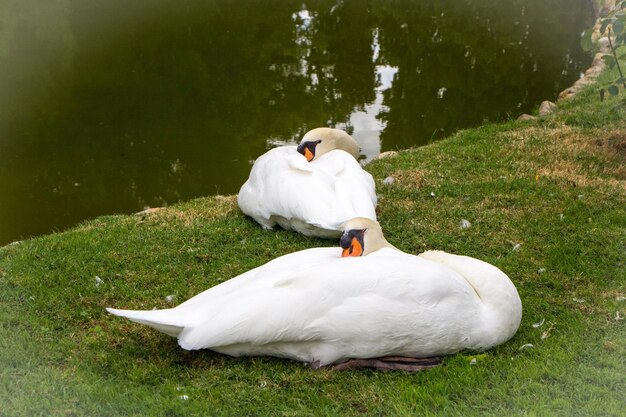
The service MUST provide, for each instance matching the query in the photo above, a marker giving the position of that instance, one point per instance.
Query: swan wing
(263, 276)
(217, 299)
(352, 187)
(370, 302)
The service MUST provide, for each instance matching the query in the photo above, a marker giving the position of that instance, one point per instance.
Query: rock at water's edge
(546, 108)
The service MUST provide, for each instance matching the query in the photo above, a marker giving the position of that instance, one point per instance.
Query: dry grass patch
(560, 155)
(405, 204)
(210, 208)
(520, 139)
(413, 178)
(572, 174)
(615, 295)
(613, 141)
(571, 141)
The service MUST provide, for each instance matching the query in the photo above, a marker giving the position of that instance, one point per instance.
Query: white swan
(324, 306)
(313, 188)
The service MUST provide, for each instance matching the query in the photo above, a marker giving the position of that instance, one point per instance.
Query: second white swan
(313, 188)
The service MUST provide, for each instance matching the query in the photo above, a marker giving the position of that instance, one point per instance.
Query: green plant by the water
(611, 25)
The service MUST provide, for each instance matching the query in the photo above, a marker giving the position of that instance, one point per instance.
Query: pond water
(111, 106)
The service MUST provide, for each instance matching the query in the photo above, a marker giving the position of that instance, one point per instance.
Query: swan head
(362, 236)
(317, 142)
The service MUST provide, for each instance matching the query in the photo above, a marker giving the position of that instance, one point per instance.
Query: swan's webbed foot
(387, 363)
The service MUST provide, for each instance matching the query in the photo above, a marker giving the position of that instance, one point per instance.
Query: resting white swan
(313, 188)
(324, 306)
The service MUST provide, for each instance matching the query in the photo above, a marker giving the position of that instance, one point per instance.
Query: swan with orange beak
(313, 188)
(366, 304)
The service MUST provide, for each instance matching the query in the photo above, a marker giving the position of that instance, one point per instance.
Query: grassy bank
(546, 203)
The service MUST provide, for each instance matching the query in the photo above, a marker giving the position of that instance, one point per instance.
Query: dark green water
(113, 105)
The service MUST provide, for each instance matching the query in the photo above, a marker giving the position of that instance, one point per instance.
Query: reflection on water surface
(111, 106)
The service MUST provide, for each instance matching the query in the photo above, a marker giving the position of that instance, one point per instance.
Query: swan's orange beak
(308, 154)
(308, 149)
(352, 242)
(355, 249)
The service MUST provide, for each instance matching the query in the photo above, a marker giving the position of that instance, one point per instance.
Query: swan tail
(161, 320)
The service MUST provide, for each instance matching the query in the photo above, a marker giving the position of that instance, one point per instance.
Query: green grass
(556, 186)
